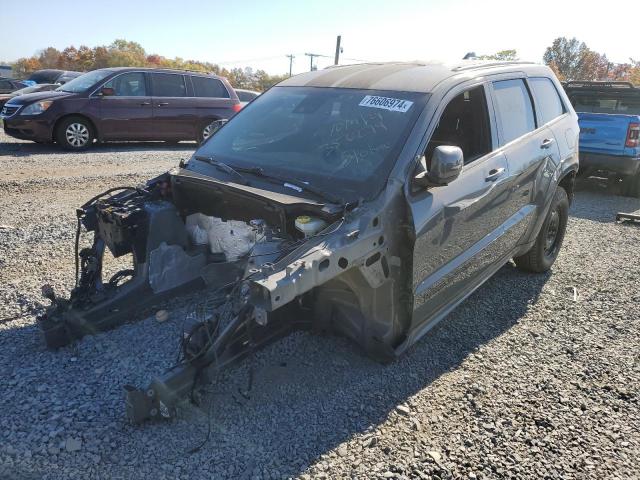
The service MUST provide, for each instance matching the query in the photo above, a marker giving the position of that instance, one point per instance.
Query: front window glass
(128, 85)
(337, 138)
(84, 82)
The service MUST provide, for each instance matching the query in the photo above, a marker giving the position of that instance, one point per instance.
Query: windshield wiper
(296, 185)
(223, 167)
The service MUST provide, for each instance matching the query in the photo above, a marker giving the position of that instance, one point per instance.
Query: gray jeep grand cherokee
(367, 199)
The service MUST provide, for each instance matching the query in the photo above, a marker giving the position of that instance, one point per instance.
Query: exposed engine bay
(270, 262)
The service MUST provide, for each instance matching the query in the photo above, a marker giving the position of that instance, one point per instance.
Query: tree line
(570, 59)
(123, 53)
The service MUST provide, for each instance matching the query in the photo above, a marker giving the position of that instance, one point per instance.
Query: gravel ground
(541, 381)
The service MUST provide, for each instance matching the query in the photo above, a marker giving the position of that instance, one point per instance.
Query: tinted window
(246, 96)
(209, 87)
(465, 124)
(548, 101)
(514, 108)
(168, 85)
(606, 103)
(341, 139)
(5, 84)
(128, 85)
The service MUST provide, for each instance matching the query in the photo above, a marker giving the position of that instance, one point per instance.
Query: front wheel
(75, 133)
(548, 242)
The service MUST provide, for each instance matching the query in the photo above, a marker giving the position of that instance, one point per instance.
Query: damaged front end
(271, 262)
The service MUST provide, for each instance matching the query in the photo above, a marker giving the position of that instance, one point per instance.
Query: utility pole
(338, 50)
(311, 56)
(290, 57)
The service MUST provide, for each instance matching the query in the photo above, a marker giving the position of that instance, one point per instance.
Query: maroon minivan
(122, 104)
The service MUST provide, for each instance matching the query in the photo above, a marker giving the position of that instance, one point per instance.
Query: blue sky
(261, 33)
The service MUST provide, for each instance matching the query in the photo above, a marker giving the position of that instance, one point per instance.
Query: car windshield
(84, 82)
(603, 103)
(342, 140)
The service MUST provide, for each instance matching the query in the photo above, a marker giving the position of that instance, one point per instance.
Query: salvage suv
(114, 104)
(368, 199)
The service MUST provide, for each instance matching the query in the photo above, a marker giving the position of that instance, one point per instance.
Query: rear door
(127, 114)
(529, 149)
(173, 116)
(211, 101)
(463, 230)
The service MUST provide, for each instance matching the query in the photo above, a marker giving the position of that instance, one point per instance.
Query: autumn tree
(502, 55)
(124, 53)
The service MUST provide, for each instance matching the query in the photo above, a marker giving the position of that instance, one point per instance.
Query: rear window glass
(594, 102)
(168, 85)
(514, 108)
(246, 96)
(209, 87)
(548, 101)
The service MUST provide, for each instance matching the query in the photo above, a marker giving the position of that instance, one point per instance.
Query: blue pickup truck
(609, 118)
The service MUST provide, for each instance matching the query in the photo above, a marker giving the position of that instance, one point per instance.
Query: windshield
(343, 140)
(603, 103)
(84, 82)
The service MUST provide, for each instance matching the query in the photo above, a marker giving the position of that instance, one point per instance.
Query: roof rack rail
(477, 64)
(599, 83)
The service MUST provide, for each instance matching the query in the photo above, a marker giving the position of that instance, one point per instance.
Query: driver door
(128, 113)
(462, 229)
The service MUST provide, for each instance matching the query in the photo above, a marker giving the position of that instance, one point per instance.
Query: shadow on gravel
(608, 200)
(344, 394)
(24, 149)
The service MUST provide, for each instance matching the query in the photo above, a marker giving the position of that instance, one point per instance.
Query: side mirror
(107, 92)
(446, 164)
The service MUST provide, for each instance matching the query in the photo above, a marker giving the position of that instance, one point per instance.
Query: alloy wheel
(206, 133)
(77, 135)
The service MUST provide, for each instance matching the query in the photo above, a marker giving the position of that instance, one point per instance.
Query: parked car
(122, 104)
(53, 76)
(609, 117)
(45, 87)
(368, 199)
(8, 85)
(245, 96)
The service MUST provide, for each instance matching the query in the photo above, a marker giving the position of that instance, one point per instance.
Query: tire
(548, 242)
(205, 132)
(75, 133)
(631, 186)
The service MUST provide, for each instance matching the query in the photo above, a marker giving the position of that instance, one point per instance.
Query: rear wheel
(75, 133)
(547, 246)
(206, 132)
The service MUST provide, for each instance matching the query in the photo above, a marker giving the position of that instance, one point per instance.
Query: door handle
(163, 104)
(145, 103)
(494, 174)
(546, 143)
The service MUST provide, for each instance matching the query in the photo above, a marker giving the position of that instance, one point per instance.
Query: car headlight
(37, 108)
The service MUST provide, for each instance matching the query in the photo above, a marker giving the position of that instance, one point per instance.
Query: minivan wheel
(206, 133)
(74, 133)
(547, 246)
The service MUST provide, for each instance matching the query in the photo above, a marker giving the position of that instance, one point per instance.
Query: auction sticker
(386, 103)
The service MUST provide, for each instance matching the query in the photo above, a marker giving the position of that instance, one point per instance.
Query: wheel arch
(92, 124)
